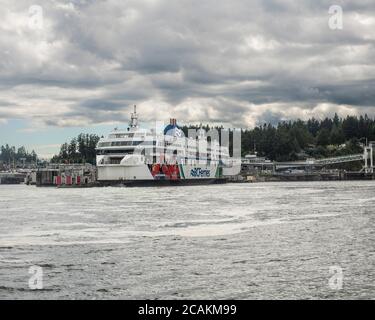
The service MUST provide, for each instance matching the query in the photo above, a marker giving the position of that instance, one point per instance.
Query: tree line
(293, 140)
(79, 150)
(10, 155)
(287, 141)
(297, 139)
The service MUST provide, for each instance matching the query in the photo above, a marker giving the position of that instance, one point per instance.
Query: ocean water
(302, 240)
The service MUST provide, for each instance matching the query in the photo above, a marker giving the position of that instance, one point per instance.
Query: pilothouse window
(114, 151)
(121, 143)
(104, 144)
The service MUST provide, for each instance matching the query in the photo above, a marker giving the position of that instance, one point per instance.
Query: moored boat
(136, 156)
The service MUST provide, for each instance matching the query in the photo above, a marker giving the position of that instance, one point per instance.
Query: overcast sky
(237, 63)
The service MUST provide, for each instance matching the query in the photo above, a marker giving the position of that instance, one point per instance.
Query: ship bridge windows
(126, 143)
(121, 143)
(121, 135)
(104, 144)
(115, 151)
(144, 143)
(133, 143)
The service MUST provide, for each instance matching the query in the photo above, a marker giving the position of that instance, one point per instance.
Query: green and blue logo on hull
(200, 173)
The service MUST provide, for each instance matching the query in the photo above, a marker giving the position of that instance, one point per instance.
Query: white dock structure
(368, 156)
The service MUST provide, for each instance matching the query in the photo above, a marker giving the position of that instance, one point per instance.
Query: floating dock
(66, 175)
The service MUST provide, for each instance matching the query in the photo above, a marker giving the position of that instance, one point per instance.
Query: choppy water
(235, 241)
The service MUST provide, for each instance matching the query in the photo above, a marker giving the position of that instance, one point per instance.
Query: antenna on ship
(134, 118)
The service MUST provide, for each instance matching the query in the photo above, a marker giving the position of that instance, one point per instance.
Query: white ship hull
(163, 172)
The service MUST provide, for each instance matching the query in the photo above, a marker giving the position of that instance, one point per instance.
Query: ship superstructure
(145, 155)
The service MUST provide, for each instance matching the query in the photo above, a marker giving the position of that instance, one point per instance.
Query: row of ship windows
(136, 143)
(125, 135)
(157, 154)
(157, 151)
(154, 160)
(140, 135)
(126, 143)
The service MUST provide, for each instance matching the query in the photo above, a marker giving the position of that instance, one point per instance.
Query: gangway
(366, 156)
(336, 160)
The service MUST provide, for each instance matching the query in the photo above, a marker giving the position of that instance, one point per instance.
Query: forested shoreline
(79, 150)
(287, 141)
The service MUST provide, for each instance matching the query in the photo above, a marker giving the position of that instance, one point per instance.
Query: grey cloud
(101, 105)
(223, 61)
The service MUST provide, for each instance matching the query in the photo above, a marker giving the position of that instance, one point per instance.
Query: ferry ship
(136, 156)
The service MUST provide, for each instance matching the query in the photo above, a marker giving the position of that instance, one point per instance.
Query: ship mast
(134, 118)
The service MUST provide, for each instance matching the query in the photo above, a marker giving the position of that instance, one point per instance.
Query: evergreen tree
(337, 136)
